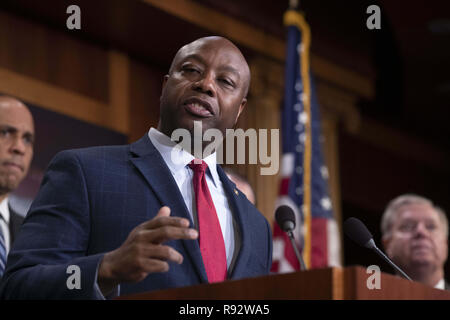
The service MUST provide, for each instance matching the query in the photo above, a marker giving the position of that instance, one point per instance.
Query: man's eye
(191, 70)
(407, 227)
(29, 140)
(4, 132)
(227, 82)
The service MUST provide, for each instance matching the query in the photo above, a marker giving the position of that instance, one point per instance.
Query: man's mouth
(198, 108)
(13, 166)
(421, 247)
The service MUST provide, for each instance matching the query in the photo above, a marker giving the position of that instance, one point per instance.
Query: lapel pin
(235, 191)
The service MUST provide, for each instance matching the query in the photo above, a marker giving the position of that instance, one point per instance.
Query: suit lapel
(150, 163)
(14, 224)
(241, 216)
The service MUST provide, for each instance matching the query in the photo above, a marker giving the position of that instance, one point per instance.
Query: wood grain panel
(55, 57)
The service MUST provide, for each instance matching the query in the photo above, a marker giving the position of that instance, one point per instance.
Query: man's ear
(166, 77)
(385, 241)
(446, 249)
(241, 108)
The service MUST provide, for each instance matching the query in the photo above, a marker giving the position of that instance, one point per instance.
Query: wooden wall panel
(53, 97)
(145, 90)
(54, 57)
(262, 42)
(64, 74)
(119, 92)
(263, 112)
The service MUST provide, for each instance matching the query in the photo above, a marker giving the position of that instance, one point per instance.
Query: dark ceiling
(408, 58)
(421, 31)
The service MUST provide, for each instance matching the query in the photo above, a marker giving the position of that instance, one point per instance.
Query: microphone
(285, 217)
(358, 232)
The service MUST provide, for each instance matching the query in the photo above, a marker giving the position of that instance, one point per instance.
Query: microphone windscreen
(357, 231)
(285, 217)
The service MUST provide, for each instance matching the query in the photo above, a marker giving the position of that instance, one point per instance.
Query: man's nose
(18, 146)
(421, 230)
(206, 85)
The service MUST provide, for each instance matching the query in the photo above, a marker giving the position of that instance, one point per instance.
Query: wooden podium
(321, 284)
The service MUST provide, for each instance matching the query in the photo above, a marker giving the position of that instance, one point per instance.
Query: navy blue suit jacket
(89, 201)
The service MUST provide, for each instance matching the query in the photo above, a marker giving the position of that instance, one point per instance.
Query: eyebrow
(195, 57)
(199, 58)
(232, 70)
(427, 220)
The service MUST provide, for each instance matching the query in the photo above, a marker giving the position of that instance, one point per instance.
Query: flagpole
(300, 152)
(294, 18)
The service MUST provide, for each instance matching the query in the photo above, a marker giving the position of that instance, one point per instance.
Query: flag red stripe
(319, 243)
(284, 186)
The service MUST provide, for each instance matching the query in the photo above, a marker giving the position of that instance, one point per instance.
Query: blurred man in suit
(16, 152)
(415, 236)
(146, 216)
(242, 184)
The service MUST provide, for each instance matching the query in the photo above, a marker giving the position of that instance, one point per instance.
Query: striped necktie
(2, 253)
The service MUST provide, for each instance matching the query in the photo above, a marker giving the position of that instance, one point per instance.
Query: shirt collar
(178, 158)
(211, 161)
(4, 210)
(440, 284)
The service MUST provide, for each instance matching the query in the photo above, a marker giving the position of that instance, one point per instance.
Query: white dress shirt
(183, 175)
(440, 285)
(4, 223)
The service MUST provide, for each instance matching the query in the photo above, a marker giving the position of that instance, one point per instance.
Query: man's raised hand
(143, 252)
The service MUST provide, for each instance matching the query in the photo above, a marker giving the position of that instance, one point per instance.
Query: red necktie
(212, 245)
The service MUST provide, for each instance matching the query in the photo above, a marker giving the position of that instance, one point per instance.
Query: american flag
(304, 184)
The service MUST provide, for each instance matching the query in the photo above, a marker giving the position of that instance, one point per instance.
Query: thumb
(163, 212)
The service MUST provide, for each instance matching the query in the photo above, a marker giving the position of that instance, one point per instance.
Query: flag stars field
(303, 117)
(325, 203)
(324, 172)
(302, 137)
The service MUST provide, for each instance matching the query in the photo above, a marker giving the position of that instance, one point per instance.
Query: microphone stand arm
(297, 253)
(382, 255)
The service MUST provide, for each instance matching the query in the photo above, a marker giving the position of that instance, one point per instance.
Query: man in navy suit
(124, 219)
